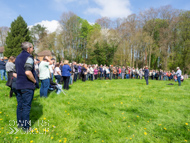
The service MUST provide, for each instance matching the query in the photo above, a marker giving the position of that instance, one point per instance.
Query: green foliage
(18, 34)
(184, 50)
(115, 111)
(38, 32)
(103, 53)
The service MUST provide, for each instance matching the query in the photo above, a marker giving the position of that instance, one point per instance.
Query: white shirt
(57, 69)
(44, 70)
(91, 70)
(51, 68)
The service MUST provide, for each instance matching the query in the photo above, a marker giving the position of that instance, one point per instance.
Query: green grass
(104, 111)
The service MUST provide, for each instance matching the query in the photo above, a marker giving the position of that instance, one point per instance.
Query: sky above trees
(47, 11)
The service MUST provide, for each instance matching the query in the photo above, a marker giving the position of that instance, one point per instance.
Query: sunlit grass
(104, 111)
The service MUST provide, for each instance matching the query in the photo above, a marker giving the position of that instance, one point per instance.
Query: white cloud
(111, 8)
(51, 26)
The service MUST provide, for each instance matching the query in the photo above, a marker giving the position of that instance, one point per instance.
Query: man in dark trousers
(146, 74)
(25, 84)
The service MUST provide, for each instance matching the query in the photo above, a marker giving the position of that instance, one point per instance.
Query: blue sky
(35, 11)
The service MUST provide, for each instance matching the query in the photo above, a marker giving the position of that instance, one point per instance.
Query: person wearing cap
(44, 76)
(146, 74)
(66, 74)
(2, 69)
(178, 74)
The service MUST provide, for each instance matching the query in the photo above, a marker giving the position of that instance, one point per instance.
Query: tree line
(157, 37)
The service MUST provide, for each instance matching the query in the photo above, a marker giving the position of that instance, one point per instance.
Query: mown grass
(104, 111)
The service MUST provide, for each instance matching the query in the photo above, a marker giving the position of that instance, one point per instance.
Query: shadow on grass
(36, 112)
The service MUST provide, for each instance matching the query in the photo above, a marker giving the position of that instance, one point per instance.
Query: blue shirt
(2, 65)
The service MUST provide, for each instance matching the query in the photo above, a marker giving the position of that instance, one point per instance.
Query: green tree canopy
(18, 34)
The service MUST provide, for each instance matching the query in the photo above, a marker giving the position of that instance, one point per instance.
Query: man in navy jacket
(146, 74)
(25, 84)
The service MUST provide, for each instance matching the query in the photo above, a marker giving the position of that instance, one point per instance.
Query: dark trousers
(80, 75)
(96, 76)
(91, 77)
(66, 82)
(83, 77)
(24, 100)
(75, 76)
(146, 78)
(114, 76)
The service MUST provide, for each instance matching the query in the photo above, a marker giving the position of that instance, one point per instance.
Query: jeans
(24, 100)
(179, 80)
(70, 80)
(87, 76)
(3, 73)
(75, 76)
(58, 77)
(127, 76)
(52, 76)
(146, 78)
(44, 87)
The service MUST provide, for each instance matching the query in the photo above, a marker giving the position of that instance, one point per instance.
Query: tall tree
(18, 34)
(184, 49)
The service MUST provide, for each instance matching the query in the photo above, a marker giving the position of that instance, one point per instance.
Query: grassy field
(103, 111)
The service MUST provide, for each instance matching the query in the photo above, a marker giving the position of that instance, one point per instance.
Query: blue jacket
(2, 65)
(22, 81)
(101, 70)
(66, 70)
(146, 73)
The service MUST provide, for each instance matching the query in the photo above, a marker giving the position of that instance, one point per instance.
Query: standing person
(44, 76)
(178, 74)
(25, 84)
(84, 72)
(51, 68)
(72, 72)
(96, 72)
(91, 71)
(10, 67)
(2, 69)
(76, 71)
(146, 74)
(79, 71)
(123, 72)
(140, 73)
(57, 73)
(101, 72)
(119, 72)
(107, 73)
(114, 72)
(111, 72)
(66, 74)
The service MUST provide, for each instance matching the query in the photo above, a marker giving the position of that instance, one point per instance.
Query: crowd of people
(25, 73)
(68, 73)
